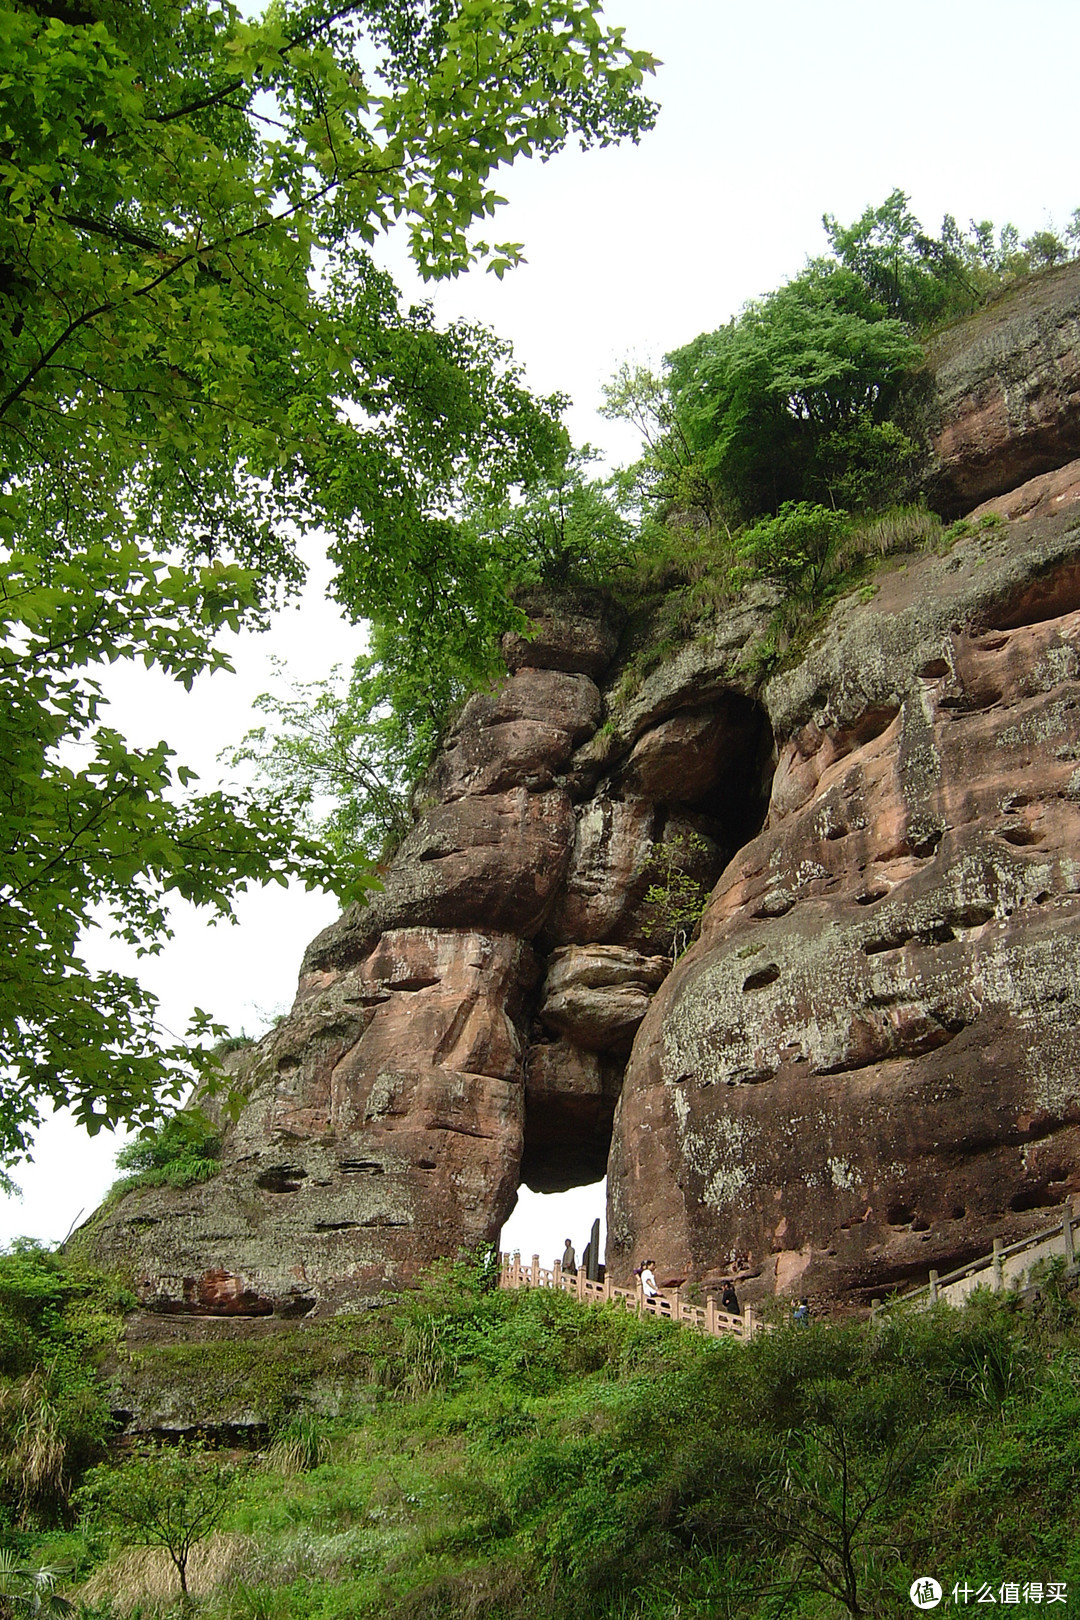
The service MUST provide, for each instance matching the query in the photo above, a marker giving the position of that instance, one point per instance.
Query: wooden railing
(1008, 1265)
(671, 1307)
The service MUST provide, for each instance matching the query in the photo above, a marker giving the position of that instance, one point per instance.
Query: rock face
(1005, 385)
(867, 1062)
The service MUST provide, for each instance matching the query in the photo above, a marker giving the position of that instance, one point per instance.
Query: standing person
(729, 1300)
(569, 1260)
(648, 1281)
(801, 1314)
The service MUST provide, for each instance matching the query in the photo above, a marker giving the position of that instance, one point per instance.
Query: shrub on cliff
(181, 1151)
(778, 404)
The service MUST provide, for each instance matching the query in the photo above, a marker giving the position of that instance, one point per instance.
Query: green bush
(178, 1153)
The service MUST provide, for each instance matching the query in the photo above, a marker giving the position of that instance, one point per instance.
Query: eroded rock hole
(540, 1223)
(570, 1098)
(1037, 1197)
(281, 1178)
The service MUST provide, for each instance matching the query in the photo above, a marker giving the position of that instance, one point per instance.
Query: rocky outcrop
(468, 1028)
(597, 995)
(1004, 392)
(867, 1065)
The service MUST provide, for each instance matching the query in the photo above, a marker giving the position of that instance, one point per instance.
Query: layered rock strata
(468, 1028)
(1002, 392)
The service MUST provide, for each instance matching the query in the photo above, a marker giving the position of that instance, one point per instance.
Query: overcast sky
(771, 115)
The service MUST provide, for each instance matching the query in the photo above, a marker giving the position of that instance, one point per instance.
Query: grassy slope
(521, 1456)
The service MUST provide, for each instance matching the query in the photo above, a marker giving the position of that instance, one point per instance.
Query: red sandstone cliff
(867, 1063)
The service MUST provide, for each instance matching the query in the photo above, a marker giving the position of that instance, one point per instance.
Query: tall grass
(524, 1457)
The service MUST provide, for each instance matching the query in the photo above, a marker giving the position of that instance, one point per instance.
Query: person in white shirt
(648, 1281)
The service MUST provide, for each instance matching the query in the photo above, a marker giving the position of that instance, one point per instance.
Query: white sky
(772, 114)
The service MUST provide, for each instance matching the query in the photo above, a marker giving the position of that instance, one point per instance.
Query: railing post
(581, 1282)
(556, 1274)
(933, 1288)
(710, 1314)
(999, 1273)
(1067, 1235)
(748, 1322)
(875, 1307)
(534, 1271)
(606, 1286)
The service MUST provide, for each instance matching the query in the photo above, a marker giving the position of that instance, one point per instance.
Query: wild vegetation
(182, 1150)
(520, 1455)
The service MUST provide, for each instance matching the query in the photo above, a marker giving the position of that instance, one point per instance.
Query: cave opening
(700, 781)
(540, 1223)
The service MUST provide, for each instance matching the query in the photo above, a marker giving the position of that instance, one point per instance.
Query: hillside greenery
(521, 1456)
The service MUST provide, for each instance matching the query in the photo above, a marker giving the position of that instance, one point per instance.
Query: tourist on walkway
(729, 1300)
(569, 1260)
(648, 1281)
(801, 1314)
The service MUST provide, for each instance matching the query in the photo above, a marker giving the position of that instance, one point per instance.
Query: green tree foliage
(91, 827)
(166, 1496)
(566, 529)
(775, 405)
(200, 361)
(175, 179)
(797, 398)
(350, 752)
(676, 897)
(797, 548)
(519, 1454)
(669, 469)
(924, 279)
(353, 751)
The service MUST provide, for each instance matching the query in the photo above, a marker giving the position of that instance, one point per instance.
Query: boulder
(571, 630)
(598, 994)
(608, 872)
(521, 735)
(492, 861)
(867, 1065)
